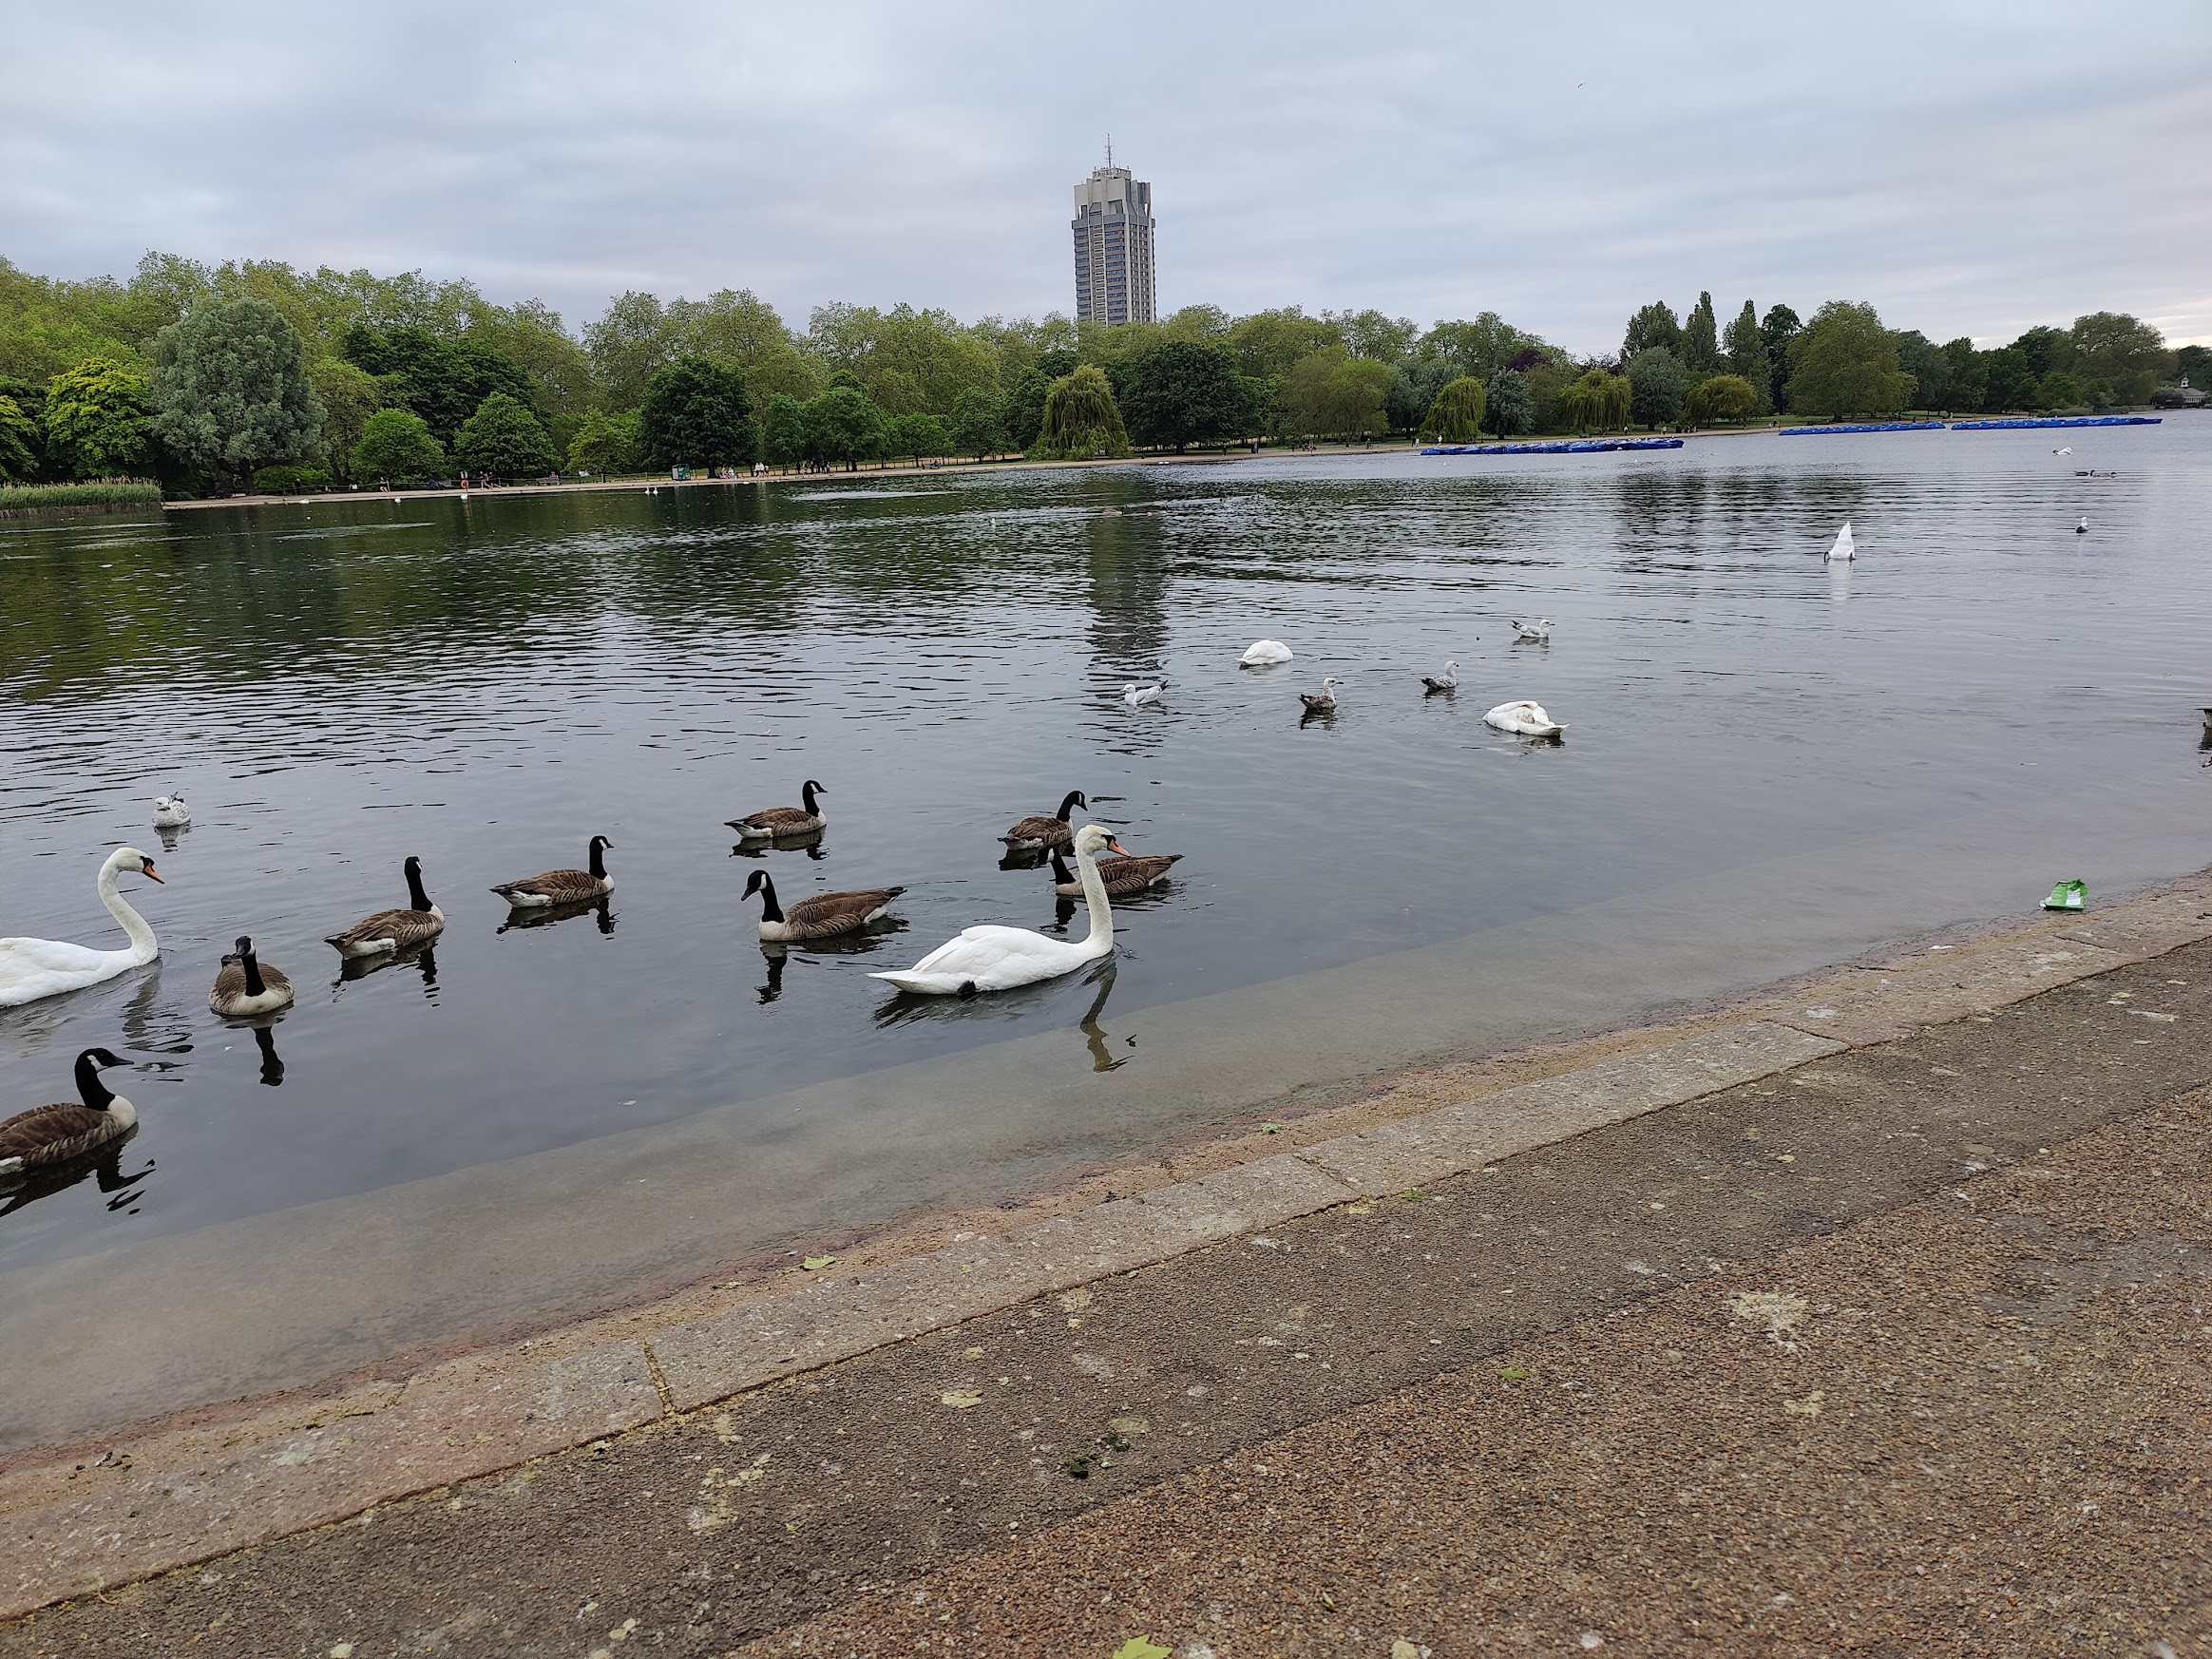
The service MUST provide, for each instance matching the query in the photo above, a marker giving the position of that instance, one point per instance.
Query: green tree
(1778, 329)
(1081, 420)
(1745, 350)
(1184, 393)
(2194, 364)
(397, 447)
(2117, 349)
(230, 390)
(696, 413)
(2011, 383)
(350, 395)
(1654, 326)
(505, 439)
(1332, 392)
(1701, 345)
(845, 428)
(1546, 382)
(97, 421)
(1658, 387)
(2045, 348)
(1923, 359)
(1456, 417)
(1479, 347)
(1369, 334)
(1722, 397)
(920, 436)
(1413, 386)
(1272, 342)
(1598, 402)
(1025, 407)
(1509, 407)
(782, 430)
(979, 423)
(605, 445)
(443, 380)
(1845, 363)
(1966, 376)
(19, 445)
(2063, 390)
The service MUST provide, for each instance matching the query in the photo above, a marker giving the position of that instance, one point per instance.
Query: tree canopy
(443, 380)
(604, 444)
(1745, 350)
(98, 423)
(1701, 345)
(1597, 401)
(1456, 416)
(1184, 393)
(19, 442)
(2119, 351)
(979, 423)
(504, 439)
(230, 388)
(1722, 397)
(1845, 363)
(1654, 325)
(1658, 387)
(1333, 393)
(397, 447)
(1081, 420)
(843, 427)
(1509, 407)
(696, 413)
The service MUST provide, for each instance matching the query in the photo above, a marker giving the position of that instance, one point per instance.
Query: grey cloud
(1968, 168)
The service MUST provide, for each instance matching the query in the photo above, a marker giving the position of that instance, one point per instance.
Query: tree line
(254, 374)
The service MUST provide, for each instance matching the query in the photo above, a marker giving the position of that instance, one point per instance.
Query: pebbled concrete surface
(949, 1454)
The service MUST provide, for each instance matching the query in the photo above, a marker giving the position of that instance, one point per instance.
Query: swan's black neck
(252, 965)
(770, 909)
(599, 859)
(419, 899)
(90, 1090)
(1069, 805)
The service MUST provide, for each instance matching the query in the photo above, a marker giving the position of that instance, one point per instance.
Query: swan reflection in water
(105, 1165)
(422, 959)
(600, 907)
(906, 1008)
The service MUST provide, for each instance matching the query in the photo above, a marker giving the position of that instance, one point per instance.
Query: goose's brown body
(394, 930)
(246, 985)
(1043, 833)
(833, 913)
(1124, 877)
(561, 887)
(46, 1135)
(780, 823)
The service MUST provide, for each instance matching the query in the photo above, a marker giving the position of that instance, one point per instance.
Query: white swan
(1535, 633)
(1525, 718)
(998, 959)
(1137, 696)
(1261, 651)
(31, 968)
(1843, 549)
(170, 812)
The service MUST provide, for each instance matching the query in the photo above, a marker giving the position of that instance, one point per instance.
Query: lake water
(487, 683)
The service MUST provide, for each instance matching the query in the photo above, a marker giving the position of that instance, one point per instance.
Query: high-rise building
(1114, 248)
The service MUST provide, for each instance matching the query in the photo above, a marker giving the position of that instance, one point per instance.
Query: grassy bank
(30, 501)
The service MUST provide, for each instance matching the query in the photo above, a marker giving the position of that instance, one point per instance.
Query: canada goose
(1448, 681)
(1524, 719)
(563, 886)
(1032, 834)
(1323, 701)
(2083, 528)
(1137, 696)
(772, 822)
(1844, 548)
(1262, 652)
(821, 917)
(998, 959)
(170, 812)
(1124, 877)
(53, 1134)
(1535, 633)
(244, 988)
(31, 968)
(389, 930)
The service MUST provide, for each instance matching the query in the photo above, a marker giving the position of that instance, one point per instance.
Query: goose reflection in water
(810, 843)
(272, 1063)
(864, 940)
(103, 1165)
(602, 908)
(422, 959)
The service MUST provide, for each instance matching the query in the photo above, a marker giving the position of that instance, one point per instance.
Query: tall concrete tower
(1113, 247)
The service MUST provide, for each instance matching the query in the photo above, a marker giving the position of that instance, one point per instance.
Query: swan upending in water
(1524, 719)
(999, 958)
(31, 968)
(1843, 549)
(1262, 652)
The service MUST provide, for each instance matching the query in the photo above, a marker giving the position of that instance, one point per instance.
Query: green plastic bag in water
(2068, 896)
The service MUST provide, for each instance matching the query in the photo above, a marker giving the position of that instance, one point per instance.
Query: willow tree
(1722, 397)
(1080, 422)
(1597, 401)
(1456, 417)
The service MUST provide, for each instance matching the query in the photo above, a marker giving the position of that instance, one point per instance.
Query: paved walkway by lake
(1898, 1348)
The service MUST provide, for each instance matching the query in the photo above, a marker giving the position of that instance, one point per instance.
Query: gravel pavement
(1902, 1351)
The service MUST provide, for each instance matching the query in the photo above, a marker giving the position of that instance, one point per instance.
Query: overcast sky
(1969, 168)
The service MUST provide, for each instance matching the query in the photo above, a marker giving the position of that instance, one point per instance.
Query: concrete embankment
(1879, 1315)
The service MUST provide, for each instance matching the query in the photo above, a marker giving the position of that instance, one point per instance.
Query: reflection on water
(334, 687)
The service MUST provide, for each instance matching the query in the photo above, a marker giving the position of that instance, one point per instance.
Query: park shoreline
(233, 1476)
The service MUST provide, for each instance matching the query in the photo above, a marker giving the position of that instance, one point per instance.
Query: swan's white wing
(978, 950)
(52, 956)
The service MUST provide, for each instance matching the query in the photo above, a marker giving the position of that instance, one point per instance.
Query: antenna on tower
(1110, 149)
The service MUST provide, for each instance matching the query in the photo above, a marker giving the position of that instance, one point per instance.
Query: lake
(1984, 702)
